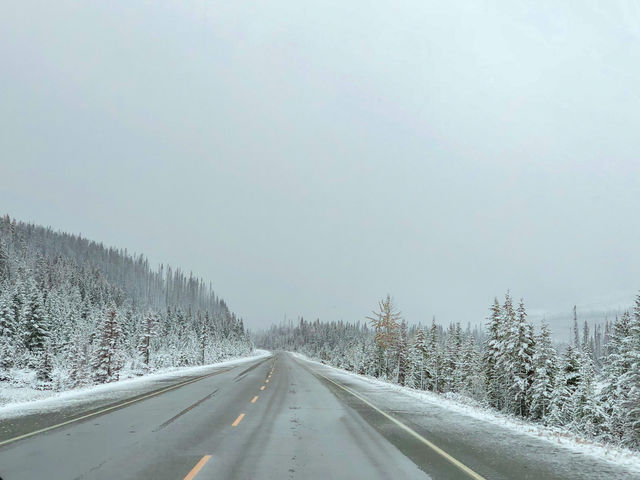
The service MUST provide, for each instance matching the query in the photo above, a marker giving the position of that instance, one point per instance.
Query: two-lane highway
(272, 418)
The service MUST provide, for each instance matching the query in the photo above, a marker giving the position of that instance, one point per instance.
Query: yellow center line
(266, 381)
(194, 471)
(254, 399)
(262, 387)
(238, 420)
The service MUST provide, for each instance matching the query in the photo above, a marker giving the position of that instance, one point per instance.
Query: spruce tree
(560, 405)
(402, 353)
(420, 375)
(106, 362)
(616, 365)
(434, 359)
(467, 369)
(519, 361)
(545, 364)
(587, 415)
(34, 325)
(629, 382)
(4, 262)
(492, 354)
(7, 335)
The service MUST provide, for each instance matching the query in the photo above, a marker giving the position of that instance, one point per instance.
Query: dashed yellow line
(266, 381)
(238, 420)
(194, 471)
(254, 399)
(262, 387)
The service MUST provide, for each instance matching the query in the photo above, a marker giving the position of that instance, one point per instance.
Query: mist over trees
(74, 312)
(590, 387)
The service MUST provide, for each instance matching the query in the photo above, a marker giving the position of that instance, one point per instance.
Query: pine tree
(451, 354)
(588, 416)
(149, 332)
(571, 367)
(576, 330)
(560, 405)
(616, 365)
(4, 262)
(492, 354)
(402, 353)
(419, 376)
(467, 368)
(204, 335)
(434, 359)
(77, 359)
(7, 335)
(35, 330)
(629, 382)
(545, 363)
(519, 362)
(107, 363)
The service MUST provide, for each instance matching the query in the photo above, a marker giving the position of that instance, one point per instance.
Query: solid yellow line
(254, 399)
(100, 412)
(262, 387)
(238, 420)
(194, 471)
(412, 432)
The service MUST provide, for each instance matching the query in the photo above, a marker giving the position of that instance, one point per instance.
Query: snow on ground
(25, 401)
(466, 407)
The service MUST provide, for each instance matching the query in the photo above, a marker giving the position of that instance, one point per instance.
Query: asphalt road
(276, 418)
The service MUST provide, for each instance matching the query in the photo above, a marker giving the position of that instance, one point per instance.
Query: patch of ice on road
(465, 406)
(29, 401)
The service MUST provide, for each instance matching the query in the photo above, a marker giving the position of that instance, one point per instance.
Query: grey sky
(308, 158)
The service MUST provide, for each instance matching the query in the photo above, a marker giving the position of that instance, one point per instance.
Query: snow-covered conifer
(545, 364)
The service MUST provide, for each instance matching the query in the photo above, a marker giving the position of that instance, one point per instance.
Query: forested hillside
(590, 387)
(74, 312)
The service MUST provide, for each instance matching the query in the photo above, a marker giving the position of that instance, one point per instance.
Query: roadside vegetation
(590, 386)
(75, 313)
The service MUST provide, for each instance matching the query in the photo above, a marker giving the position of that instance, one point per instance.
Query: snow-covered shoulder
(110, 391)
(391, 396)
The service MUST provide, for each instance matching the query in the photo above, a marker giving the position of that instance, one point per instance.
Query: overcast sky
(309, 157)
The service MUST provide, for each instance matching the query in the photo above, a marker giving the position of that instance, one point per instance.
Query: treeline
(74, 313)
(590, 387)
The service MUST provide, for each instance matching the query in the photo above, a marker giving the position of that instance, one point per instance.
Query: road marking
(194, 471)
(108, 409)
(238, 420)
(266, 381)
(262, 387)
(254, 399)
(190, 407)
(412, 432)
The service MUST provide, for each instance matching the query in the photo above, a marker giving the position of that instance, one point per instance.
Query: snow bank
(28, 401)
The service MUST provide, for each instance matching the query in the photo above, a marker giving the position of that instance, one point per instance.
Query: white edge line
(412, 432)
(100, 412)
